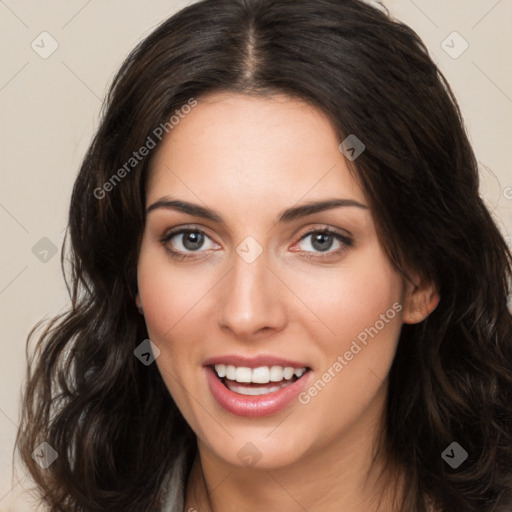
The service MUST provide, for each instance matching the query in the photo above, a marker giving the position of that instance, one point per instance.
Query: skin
(250, 158)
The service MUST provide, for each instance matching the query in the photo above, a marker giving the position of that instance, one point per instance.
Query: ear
(421, 298)
(138, 303)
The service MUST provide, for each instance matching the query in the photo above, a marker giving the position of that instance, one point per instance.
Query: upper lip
(254, 361)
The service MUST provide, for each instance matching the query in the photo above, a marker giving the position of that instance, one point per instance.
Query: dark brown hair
(112, 420)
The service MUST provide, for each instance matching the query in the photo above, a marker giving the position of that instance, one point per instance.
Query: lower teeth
(253, 391)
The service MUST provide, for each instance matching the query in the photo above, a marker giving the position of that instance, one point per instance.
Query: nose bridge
(249, 302)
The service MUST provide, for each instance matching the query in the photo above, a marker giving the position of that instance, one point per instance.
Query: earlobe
(138, 303)
(420, 300)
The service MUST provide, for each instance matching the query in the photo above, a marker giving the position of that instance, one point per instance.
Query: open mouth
(257, 381)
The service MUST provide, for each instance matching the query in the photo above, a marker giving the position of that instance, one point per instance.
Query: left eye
(323, 240)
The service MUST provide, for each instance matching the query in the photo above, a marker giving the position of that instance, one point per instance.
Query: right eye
(183, 242)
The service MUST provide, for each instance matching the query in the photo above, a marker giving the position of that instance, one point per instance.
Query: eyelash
(343, 239)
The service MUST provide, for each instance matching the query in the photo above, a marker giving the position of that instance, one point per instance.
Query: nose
(251, 300)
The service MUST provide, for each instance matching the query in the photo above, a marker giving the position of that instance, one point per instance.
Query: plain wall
(50, 110)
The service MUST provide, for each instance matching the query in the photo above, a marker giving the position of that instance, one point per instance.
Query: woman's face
(261, 282)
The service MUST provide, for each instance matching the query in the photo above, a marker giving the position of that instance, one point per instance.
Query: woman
(287, 293)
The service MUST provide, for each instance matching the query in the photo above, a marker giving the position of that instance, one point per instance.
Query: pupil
(323, 241)
(193, 240)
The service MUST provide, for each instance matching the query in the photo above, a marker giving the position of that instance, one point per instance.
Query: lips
(241, 396)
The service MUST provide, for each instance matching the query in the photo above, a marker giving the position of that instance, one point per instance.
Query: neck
(341, 475)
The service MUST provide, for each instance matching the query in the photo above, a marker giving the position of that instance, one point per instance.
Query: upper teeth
(260, 375)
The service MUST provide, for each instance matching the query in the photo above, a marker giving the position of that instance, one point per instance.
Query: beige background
(50, 109)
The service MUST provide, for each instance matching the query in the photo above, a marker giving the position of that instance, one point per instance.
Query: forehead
(246, 148)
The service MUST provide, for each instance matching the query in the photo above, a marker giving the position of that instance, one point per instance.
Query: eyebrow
(286, 216)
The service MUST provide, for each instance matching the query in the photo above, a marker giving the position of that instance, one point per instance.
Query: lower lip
(253, 406)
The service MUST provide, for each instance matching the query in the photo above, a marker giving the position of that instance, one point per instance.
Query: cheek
(363, 308)
(351, 298)
(172, 300)
(169, 294)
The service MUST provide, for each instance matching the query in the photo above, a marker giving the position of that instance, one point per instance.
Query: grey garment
(175, 487)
